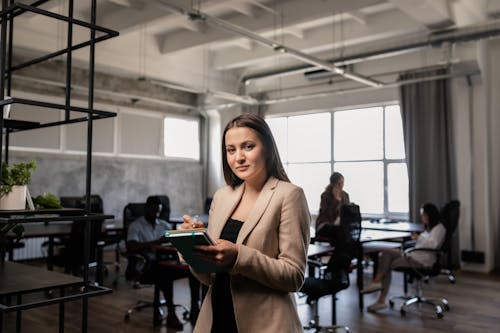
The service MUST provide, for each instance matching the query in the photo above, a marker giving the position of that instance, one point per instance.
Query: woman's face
(339, 186)
(245, 154)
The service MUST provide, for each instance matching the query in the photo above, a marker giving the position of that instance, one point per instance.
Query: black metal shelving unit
(18, 289)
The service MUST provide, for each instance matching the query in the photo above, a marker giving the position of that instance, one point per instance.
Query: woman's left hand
(223, 253)
(190, 223)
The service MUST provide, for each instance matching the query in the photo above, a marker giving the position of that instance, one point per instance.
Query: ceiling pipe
(360, 89)
(408, 44)
(235, 29)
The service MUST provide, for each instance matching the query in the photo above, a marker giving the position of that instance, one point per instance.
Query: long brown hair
(274, 167)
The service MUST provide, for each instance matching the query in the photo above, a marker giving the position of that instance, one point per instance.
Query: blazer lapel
(229, 204)
(260, 206)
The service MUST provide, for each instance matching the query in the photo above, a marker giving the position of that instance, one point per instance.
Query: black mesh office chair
(450, 215)
(420, 276)
(336, 276)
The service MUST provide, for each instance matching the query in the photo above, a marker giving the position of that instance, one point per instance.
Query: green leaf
(47, 201)
(16, 174)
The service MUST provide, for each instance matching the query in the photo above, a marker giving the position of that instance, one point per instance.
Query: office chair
(336, 275)
(136, 263)
(421, 275)
(72, 246)
(450, 215)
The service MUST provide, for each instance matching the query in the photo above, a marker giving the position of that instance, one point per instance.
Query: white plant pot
(15, 199)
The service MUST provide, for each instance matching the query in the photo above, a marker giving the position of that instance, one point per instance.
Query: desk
(55, 229)
(319, 250)
(46, 229)
(393, 226)
(18, 280)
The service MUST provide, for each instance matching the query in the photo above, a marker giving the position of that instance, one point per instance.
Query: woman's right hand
(190, 223)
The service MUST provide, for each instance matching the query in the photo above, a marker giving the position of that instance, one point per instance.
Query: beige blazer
(271, 259)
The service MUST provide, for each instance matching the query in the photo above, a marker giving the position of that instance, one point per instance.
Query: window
(182, 138)
(365, 145)
(140, 145)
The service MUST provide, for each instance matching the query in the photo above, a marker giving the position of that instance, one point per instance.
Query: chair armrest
(408, 244)
(316, 263)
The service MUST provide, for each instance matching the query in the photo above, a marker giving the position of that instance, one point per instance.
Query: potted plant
(14, 181)
(13, 189)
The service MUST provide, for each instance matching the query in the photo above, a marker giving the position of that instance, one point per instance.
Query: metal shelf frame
(10, 9)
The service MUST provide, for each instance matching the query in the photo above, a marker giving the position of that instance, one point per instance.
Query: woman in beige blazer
(261, 223)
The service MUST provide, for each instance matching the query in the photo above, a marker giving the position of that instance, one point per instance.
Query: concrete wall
(118, 180)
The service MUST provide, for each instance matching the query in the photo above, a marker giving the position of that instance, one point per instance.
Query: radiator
(32, 249)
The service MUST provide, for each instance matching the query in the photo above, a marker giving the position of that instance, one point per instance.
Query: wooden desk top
(20, 278)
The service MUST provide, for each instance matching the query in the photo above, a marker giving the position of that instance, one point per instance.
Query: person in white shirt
(143, 235)
(431, 238)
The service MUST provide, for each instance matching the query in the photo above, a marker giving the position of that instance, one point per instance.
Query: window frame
(385, 161)
(163, 148)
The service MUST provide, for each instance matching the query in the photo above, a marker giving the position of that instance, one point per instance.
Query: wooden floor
(474, 302)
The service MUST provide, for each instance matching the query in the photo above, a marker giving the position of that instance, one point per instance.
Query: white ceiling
(158, 42)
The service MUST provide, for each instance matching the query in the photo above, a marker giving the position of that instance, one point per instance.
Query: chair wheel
(446, 307)
(439, 315)
(391, 304)
(127, 317)
(403, 312)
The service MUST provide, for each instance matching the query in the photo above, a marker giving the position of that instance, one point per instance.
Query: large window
(365, 145)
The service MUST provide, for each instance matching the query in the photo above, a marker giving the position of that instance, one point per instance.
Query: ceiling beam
(297, 11)
(434, 14)
(54, 73)
(380, 27)
(234, 29)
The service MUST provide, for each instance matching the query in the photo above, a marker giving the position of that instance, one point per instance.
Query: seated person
(431, 238)
(332, 199)
(142, 235)
(328, 221)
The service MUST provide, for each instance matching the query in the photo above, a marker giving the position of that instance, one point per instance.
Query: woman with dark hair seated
(431, 238)
(332, 198)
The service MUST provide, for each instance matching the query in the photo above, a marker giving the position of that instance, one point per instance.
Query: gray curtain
(427, 127)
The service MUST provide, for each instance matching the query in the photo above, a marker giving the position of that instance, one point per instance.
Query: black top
(223, 319)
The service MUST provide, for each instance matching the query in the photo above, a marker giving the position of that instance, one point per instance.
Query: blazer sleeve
(286, 271)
